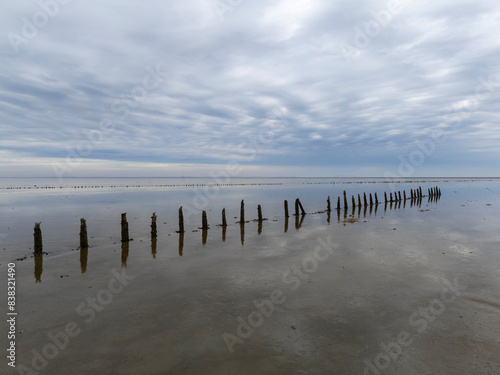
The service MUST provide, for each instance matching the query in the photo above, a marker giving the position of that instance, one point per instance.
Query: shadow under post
(125, 249)
(38, 267)
(153, 246)
(204, 235)
(181, 243)
(84, 253)
(242, 232)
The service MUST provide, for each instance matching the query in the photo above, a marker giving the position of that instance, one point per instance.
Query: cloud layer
(291, 87)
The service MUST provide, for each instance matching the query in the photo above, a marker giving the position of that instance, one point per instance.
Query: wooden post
(181, 221)
(259, 212)
(345, 201)
(154, 233)
(371, 200)
(353, 202)
(125, 237)
(38, 248)
(420, 188)
(301, 208)
(411, 193)
(376, 199)
(296, 207)
(385, 196)
(328, 206)
(286, 208)
(204, 222)
(224, 222)
(242, 211)
(404, 194)
(399, 194)
(359, 200)
(84, 242)
(364, 198)
(338, 204)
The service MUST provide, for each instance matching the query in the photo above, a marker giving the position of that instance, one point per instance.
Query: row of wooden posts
(299, 210)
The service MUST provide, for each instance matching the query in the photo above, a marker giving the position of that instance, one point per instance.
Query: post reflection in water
(338, 215)
(286, 224)
(125, 248)
(297, 223)
(84, 252)
(153, 246)
(38, 267)
(204, 235)
(224, 233)
(328, 217)
(181, 243)
(242, 232)
(259, 229)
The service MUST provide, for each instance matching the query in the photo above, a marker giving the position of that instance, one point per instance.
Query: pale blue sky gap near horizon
(280, 88)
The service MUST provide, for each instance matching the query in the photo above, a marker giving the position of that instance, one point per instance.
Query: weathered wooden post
(338, 204)
(328, 206)
(385, 196)
(204, 222)
(359, 200)
(259, 212)
(38, 267)
(286, 208)
(181, 221)
(38, 246)
(296, 207)
(154, 233)
(411, 194)
(84, 241)
(224, 222)
(364, 199)
(303, 212)
(345, 200)
(376, 199)
(242, 211)
(371, 200)
(404, 194)
(399, 194)
(124, 223)
(429, 193)
(353, 202)
(391, 198)
(420, 188)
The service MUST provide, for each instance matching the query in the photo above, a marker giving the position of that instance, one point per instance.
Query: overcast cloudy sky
(284, 88)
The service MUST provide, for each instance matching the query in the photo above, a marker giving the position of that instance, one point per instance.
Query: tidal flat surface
(408, 288)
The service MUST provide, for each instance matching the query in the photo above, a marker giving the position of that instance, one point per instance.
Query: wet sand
(409, 290)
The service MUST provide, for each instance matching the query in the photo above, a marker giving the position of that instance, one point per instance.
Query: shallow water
(344, 290)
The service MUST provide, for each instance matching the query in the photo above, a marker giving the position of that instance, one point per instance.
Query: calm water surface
(402, 289)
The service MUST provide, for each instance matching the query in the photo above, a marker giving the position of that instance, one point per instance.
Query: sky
(321, 88)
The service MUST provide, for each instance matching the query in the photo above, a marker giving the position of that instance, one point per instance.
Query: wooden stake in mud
(385, 196)
(404, 195)
(125, 237)
(328, 206)
(338, 204)
(84, 242)
(371, 200)
(154, 233)
(376, 199)
(353, 202)
(259, 212)
(224, 222)
(391, 198)
(364, 198)
(242, 211)
(286, 208)
(411, 193)
(181, 221)
(38, 239)
(296, 207)
(204, 222)
(399, 194)
(301, 208)
(359, 200)
(420, 188)
(345, 201)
